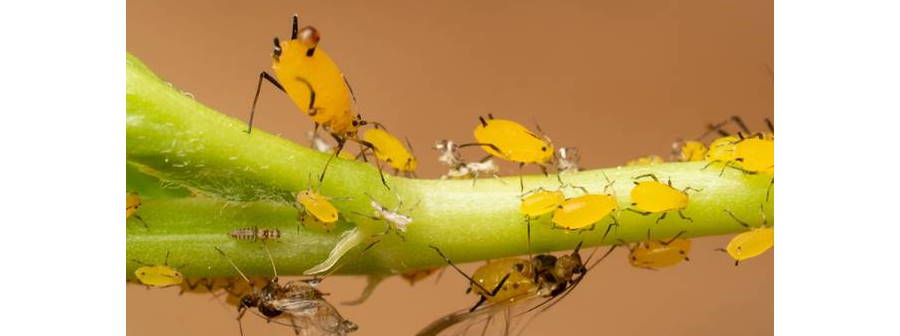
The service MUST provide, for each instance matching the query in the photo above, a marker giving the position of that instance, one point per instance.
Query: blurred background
(617, 79)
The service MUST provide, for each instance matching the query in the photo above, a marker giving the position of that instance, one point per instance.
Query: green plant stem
(250, 180)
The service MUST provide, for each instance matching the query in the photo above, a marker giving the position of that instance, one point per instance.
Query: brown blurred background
(618, 79)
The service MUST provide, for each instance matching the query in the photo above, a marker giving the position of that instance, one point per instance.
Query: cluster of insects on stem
(517, 287)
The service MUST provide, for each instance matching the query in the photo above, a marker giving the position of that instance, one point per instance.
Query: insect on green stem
(242, 180)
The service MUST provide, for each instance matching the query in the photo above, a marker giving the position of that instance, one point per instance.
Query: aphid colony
(312, 80)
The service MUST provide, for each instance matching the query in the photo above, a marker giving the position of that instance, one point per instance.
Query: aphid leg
(740, 122)
(472, 281)
(672, 239)
(295, 327)
(642, 213)
(769, 189)
(136, 216)
(266, 76)
(341, 142)
(653, 176)
(685, 190)
(492, 293)
(369, 145)
(528, 235)
(770, 125)
(681, 214)
(521, 178)
(609, 227)
(661, 217)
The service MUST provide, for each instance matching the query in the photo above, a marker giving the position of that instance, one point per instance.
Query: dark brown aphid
(254, 233)
(298, 301)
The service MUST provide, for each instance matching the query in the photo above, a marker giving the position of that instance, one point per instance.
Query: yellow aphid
(489, 276)
(751, 243)
(316, 85)
(645, 161)
(389, 149)
(721, 149)
(317, 206)
(132, 203)
(755, 155)
(654, 254)
(582, 212)
(158, 275)
(541, 202)
(511, 141)
(691, 151)
(313, 81)
(649, 197)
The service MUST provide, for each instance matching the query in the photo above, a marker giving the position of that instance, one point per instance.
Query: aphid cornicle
(300, 301)
(648, 197)
(751, 243)
(390, 150)
(515, 281)
(158, 275)
(255, 233)
(653, 254)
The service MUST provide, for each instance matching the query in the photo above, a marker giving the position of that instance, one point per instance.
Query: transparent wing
(490, 319)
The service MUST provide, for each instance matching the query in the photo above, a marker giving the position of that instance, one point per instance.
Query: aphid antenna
(762, 211)
(740, 122)
(236, 268)
(349, 88)
(272, 260)
(472, 281)
(744, 224)
(653, 176)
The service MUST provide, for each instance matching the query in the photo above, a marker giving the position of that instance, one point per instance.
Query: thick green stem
(250, 180)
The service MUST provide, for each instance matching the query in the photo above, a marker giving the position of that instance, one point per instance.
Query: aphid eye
(544, 149)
